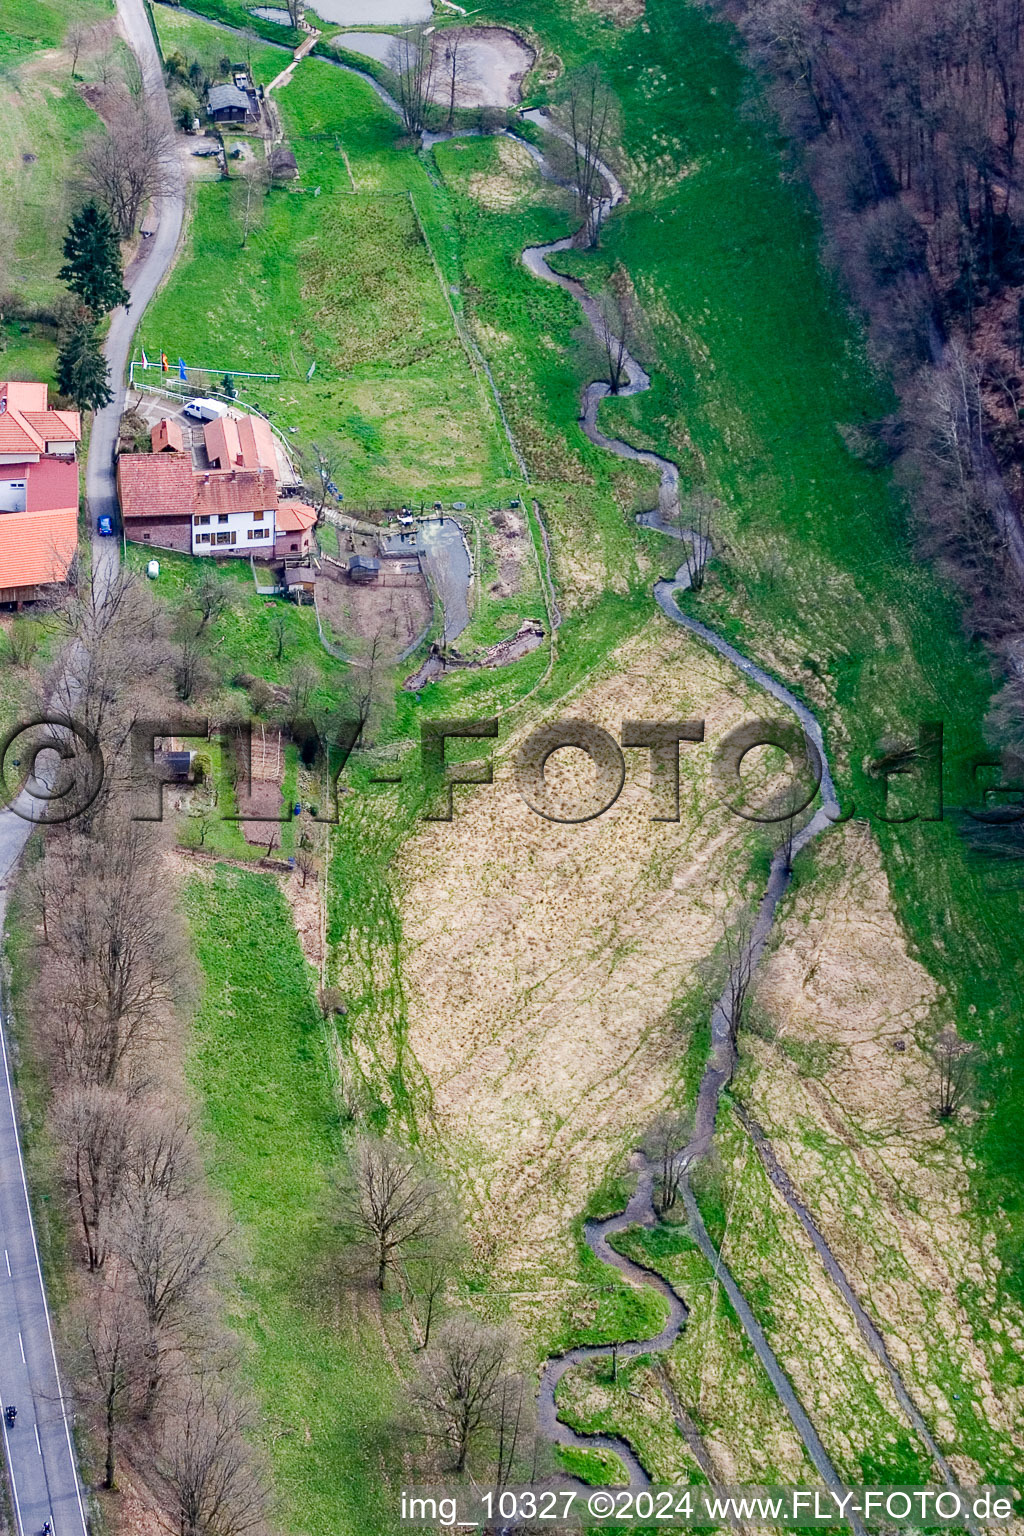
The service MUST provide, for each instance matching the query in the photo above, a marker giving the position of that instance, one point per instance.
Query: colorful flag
(145, 359)
(181, 369)
(163, 362)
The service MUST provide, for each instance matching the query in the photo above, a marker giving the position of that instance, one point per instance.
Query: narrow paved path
(142, 280)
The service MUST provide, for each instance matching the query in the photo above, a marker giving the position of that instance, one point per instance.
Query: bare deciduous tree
(161, 1154)
(664, 1141)
(461, 1381)
(169, 1251)
(453, 66)
(695, 519)
(411, 61)
(76, 40)
(430, 1269)
(306, 863)
(132, 161)
(389, 1203)
(207, 1466)
(588, 113)
(953, 1057)
(326, 471)
(93, 1127)
(114, 1342)
(114, 960)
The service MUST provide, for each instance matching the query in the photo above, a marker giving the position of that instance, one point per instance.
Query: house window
(223, 538)
(222, 517)
(257, 517)
(204, 538)
(205, 519)
(295, 546)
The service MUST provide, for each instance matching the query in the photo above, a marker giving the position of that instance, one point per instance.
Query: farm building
(295, 529)
(233, 101)
(38, 492)
(167, 437)
(165, 502)
(240, 442)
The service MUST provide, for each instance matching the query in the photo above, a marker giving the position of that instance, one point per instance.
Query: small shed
(228, 103)
(363, 568)
(298, 581)
(168, 437)
(283, 164)
(179, 766)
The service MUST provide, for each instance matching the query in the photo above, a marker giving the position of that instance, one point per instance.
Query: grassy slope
(259, 1062)
(180, 31)
(758, 366)
(346, 284)
(45, 121)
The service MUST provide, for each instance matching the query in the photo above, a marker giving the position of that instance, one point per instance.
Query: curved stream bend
(640, 1210)
(722, 1056)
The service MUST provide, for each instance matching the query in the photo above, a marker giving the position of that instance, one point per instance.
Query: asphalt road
(39, 1448)
(40, 1455)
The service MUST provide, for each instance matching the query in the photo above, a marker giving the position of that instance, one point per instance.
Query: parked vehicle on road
(205, 410)
(105, 526)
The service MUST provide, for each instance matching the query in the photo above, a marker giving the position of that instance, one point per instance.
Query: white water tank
(153, 570)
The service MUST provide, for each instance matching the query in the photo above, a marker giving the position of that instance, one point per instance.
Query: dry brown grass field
(543, 958)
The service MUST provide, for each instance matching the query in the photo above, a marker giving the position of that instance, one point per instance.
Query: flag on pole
(163, 362)
(145, 359)
(181, 369)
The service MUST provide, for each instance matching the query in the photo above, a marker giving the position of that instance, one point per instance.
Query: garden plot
(385, 616)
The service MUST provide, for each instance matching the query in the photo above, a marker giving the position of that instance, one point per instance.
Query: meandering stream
(640, 1210)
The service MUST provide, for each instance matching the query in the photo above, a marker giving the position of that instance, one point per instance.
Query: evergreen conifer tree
(93, 265)
(82, 370)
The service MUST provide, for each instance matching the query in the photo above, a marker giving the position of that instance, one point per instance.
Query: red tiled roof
(16, 436)
(26, 422)
(238, 490)
(55, 426)
(257, 442)
(52, 486)
(36, 547)
(165, 485)
(242, 442)
(294, 517)
(222, 445)
(168, 434)
(155, 485)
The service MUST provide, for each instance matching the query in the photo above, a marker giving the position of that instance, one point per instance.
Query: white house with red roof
(38, 491)
(230, 508)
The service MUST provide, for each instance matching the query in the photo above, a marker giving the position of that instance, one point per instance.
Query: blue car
(104, 526)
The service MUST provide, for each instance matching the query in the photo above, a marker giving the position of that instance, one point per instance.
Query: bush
(261, 696)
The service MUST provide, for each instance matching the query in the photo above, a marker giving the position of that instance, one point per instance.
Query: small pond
(271, 13)
(372, 45)
(372, 13)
